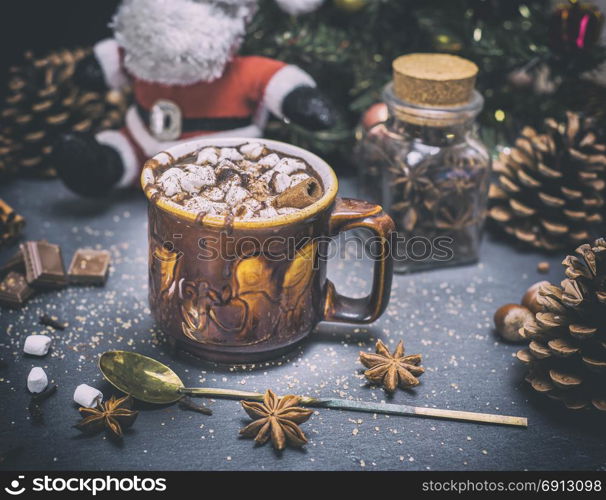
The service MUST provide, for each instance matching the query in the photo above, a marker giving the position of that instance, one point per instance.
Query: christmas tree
(532, 56)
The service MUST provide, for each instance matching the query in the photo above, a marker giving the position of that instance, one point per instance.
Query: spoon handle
(235, 394)
(367, 407)
(417, 411)
(221, 393)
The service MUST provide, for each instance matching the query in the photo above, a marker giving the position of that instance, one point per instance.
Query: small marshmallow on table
(37, 345)
(37, 380)
(87, 396)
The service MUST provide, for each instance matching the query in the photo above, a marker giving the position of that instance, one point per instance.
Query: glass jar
(430, 171)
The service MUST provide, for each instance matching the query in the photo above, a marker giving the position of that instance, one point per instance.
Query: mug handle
(349, 214)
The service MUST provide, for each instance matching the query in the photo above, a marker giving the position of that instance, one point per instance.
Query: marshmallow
(259, 189)
(169, 181)
(191, 183)
(37, 345)
(252, 150)
(87, 396)
(230, 154)
(37, 380)
(268, 212)
(199, 204)
(207, 155)
(220, 208)
(270, 160)
(227, 184)
(252, 168)
(248, 208)
(197, 177)
(267, 176)
(244, 212)
(252, 203)
(289, 166)
(287, 210)
(214, 194)
(226, 165)
(296, 178)
(280, 182)
(235, 195)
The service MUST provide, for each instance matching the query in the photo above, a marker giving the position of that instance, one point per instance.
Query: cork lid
(434, 79)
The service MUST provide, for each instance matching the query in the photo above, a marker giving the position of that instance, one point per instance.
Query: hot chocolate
(249, 181)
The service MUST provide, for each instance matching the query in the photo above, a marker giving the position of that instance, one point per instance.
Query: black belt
(208, 124)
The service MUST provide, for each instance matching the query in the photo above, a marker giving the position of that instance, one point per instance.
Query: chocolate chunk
(14, 290)
(43, 264)
(89, 267)
(15, 263)
(53, 322)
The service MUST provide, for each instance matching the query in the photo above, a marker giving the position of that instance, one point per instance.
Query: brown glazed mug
(244, 290)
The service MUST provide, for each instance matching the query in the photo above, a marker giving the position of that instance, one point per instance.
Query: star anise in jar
(392, 370)
(455, 217)
(113, 415)
(277, 418)
(414, 190)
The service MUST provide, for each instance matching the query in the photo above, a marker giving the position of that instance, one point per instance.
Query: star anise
(455, 218)
(416, 190)
(392, 370)
(113, 415)
(276, 418)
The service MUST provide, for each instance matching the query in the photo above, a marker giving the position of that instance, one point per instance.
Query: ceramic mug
(244, 290)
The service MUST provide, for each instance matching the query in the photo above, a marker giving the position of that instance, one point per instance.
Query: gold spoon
(153, 382)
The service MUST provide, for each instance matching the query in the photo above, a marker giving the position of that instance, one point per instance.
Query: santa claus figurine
(179, 57)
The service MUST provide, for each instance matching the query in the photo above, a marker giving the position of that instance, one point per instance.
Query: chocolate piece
(43, 264)
(89, 267)
(15, 263)
(14, 290)
(301, 195)
(47, 320)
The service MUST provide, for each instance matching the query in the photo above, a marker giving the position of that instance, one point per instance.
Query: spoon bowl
(142, 377)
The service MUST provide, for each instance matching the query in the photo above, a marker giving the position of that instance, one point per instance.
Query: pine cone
(548, 193)
(11, 223)
(42, 102)
(567, 350)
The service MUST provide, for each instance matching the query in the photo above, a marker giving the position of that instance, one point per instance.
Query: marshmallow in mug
(289, 166)
(196, 178)
(252, 150)
(87, 396)
(207, 155)
(37, 345)
(170, 181)
(230, 154)
(37, 380)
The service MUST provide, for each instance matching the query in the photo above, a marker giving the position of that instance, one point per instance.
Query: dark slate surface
(446, 315)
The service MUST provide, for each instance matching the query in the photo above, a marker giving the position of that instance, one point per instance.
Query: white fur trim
(239, 8)
(121, 144)
(152, 146)
(177, 42)
(283, 83)
(297, 7)
(107, 53)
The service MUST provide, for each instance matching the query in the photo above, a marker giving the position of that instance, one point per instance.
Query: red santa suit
(235, 105)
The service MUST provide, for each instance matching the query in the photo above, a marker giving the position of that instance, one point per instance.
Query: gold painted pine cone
(42, 101)
(549, 188)
(566, 354)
